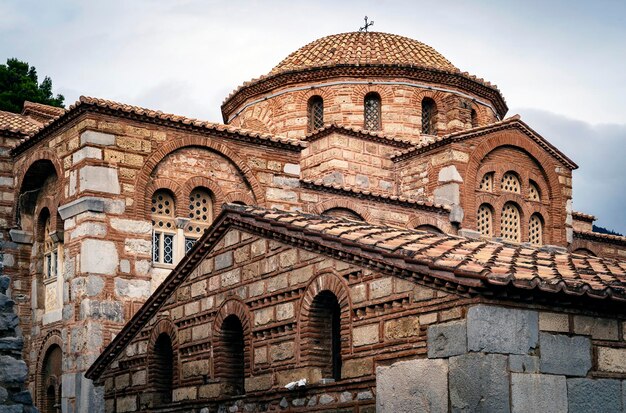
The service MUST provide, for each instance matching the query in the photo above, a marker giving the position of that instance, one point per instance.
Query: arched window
(49, 253)
(50, 381)
(533, 192)
(484, 220)
(231, 362)
(510, 222)
(339, 212)
(161, 369)
(200, 216)
(429, 228)
(163, 227)
(315, 110)
(49, 286)
(324, 335)
(486, 184)
(535, 230)
(429, 117)
(371, 111)
(510, 183)
(474, 118)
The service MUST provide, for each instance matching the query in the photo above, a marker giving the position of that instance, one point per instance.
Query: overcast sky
(560, 64)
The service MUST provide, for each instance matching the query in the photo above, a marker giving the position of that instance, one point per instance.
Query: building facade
(104, 201)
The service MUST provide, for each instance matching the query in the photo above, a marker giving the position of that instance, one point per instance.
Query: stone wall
(512, 360)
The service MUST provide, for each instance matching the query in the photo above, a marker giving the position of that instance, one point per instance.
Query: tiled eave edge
(184, 124)
(358, 133)
(371, 196)
(580, 216)
(10, 133)
(511, 123)
(599, 237)
(422, 271)
(265, 84)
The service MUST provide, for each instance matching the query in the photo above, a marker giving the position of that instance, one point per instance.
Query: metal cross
(367, 25)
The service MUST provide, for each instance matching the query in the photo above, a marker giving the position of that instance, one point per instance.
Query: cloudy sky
(560, 64)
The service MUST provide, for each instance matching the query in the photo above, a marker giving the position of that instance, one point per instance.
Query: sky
(559, 64)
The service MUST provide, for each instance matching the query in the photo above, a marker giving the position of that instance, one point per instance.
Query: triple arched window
(371, 112)
(315, 111)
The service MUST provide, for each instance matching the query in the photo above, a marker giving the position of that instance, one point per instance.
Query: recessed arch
(49, 372)
(162, 361)
(359, 210)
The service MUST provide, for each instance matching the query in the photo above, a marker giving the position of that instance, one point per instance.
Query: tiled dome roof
(360, 48)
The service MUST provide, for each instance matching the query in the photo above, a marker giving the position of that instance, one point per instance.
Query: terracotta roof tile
(582, 216)
(365, 134)
(598, 236)
(16, 123)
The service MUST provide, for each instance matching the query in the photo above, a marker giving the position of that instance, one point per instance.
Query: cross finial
(367, 25)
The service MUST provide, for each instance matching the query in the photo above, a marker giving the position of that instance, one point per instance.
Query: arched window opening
(49, 283)
(343, 213)
(429, 117)
(231, 366)
(484, 220)
(50, 381)
(535, 230)
(510, 183)
(200, 216)
(486, 184)
(510, 228)
(474, 118)
(163, 227)
(162, 369)
(324, 331)
(371, 111)
(315, 109)
(533, 192)
(429, 228)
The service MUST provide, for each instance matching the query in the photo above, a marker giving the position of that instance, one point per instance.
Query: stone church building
(366, 231)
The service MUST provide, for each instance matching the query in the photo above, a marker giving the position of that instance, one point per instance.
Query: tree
(18, 82)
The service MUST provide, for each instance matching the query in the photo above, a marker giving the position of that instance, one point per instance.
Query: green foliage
(18, 82)
(603, 230)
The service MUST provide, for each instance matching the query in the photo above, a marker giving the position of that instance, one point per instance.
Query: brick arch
(440, 101)
(320, 207)
(544, 161)
(255, 124)
(238, 196)
(483, 114)
(263, 112)
(324, 281)
(53, 338)
(523, 175)
(238, 308)
(49, 204)
(163, 326)
(302, 97)
(169, 147)
(173, 187)
(417, 220)
(215, 191)
(359, 92)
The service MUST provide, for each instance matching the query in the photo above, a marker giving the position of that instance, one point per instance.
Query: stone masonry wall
(512, 360)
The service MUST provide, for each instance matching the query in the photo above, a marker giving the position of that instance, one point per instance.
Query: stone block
(447, 194)
(284, 311)
(98, 256)
(591, 396)
(292, 169)
(196, 368)
(561, 354)
(611, 359)
(12, 371)
(102, 310)
(85, 204)
(479, 383)
(282, 351)
(126, 404)
(381, 288)
(532, 393)
(449, 174)
(132, 288)
(554, 322)
(21, 237)
(264, 316)
(357, 367)
(519, 363)
(88, 152)
(449, 339)
(259, 383)
(495, 329)
(184, 393)
(97, 138)
(413, 386)
(597, 328)
(137, 246)
(223, 260)
(364, 335)
(99, 179)
(131, 226)
(403, 327)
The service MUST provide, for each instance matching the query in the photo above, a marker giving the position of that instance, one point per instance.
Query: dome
(364, 48)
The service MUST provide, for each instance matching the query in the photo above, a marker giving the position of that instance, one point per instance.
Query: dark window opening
(325, 333)
(316, 113)
(162, 369)
(371, 111)
(50, 387)
(474, 116)
(230, 360)
(429, 115)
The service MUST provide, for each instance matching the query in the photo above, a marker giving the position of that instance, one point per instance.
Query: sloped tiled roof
(16, 123)
(583, 217)
(40, 112)
(375, 136)
(444, 261)
(150, 115)
(601, 237)
(361, 48)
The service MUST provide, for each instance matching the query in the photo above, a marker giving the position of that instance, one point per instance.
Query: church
(366, 231)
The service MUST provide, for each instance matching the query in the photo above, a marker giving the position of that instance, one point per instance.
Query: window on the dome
(371, 111)
(474, 118)
(316, 113)
(429, 115)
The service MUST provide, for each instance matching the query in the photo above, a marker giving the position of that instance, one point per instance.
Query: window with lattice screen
(200, 216)
(510, 183)
(371, 111)
(535, 230)
(533, 192)
(486, 184)
(315, 113)
(484, 220)
(429, 115)
(163, 227)
(510, 226)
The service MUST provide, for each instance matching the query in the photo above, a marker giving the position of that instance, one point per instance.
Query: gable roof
(444, 261)
(154, 116)
(514, 122)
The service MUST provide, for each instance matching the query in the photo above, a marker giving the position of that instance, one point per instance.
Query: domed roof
(363, 48)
